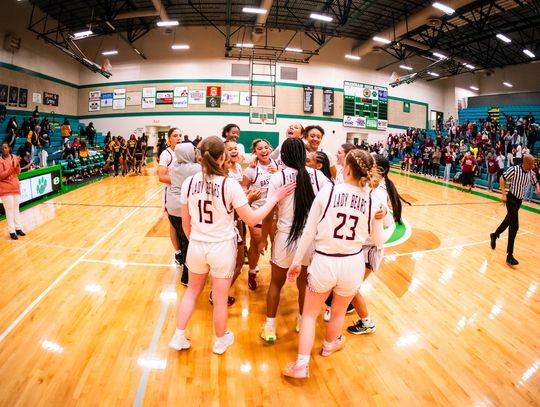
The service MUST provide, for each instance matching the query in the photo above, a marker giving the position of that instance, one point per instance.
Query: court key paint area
(89, 297)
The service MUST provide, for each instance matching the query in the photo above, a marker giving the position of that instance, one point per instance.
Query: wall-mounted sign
(148, 103)
(230, 97)
(328, 102)
(119, 104)
(50, 99)
(13, 96)
(3, 93)
(164, 97)
(94, 95)
(196, 97)
(36, 97)
(308, 99)
(23, 97)
(149, 92)
(106, 99)
(119, 93)
(407, 107)
(181, 96)
(94, 106)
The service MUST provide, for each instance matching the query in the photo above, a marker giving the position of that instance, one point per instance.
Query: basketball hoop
(394, 77)
(263, 120)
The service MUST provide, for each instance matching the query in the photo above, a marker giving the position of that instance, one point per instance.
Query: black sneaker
(13, 236)
(178, 258)
(350, 308)
(511, 261)
(230, 300)
(20, 232)
(360, 329)
(185, 276)
(493, 239)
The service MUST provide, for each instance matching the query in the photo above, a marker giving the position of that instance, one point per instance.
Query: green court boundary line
(451, 186)
(30, 72)
(64, 190)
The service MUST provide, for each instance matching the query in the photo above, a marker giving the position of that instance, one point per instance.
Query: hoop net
(394, 77)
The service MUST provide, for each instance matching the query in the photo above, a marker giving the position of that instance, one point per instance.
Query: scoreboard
(365, 106)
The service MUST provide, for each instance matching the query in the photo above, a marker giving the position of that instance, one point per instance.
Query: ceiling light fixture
(180, 46)
(470, 66)
(434, 74)
(113, 52)
(439, 55)
(443, 7)
(254, 10)
(529, 53)
(474, 88)
(244, 45)
(353, 57)
(137, 51)
(294, 49)
(508, 84)
(320, 17)
(408, 68)
(170, 23)
(504, 38)
(82, 34)
(381, 39)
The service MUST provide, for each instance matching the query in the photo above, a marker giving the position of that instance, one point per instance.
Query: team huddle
(324, 220)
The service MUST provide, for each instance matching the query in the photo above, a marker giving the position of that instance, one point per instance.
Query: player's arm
(253, 217)
(186, 220)
(163, 175)
(308, 236)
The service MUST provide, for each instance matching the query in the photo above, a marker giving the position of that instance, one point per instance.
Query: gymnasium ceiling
(415, 28)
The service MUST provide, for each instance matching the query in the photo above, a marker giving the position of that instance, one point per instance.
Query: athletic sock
(326, 344)
(254, 271)
(178, 252)
(271, 322)
(367, 321)
(180, 332)
(302, 359)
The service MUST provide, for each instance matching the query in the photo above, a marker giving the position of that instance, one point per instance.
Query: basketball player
(209, 200)
(292, 215)
(165, 161)
(257, 179)
(340, 221)
(373, 254)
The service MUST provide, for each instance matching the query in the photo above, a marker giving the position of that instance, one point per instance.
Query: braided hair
(395, 199)
(293, 155)
(363, 168)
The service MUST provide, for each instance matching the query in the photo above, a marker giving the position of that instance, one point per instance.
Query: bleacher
(56, 138)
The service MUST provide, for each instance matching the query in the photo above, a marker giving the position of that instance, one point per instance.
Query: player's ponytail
(211, 149)
(395, 200)
(293, 155)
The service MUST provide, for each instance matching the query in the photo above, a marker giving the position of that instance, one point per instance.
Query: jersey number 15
(205, 208)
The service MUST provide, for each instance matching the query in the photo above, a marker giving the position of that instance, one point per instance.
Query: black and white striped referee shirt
(519, 179)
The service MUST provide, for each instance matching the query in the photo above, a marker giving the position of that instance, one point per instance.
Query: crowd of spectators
(491, 148)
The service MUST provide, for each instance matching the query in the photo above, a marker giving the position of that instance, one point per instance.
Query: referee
(520, 177)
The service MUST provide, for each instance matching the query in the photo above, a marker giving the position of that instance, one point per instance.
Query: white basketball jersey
(342, 217)
(211, 202)
(237, 174)
(259, 178)
(381, 195)
(286, 205)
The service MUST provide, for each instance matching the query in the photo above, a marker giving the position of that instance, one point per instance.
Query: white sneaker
(327, 314)
(221, 345)
(179, 342)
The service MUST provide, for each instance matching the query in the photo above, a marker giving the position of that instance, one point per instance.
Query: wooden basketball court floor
(88, 303)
